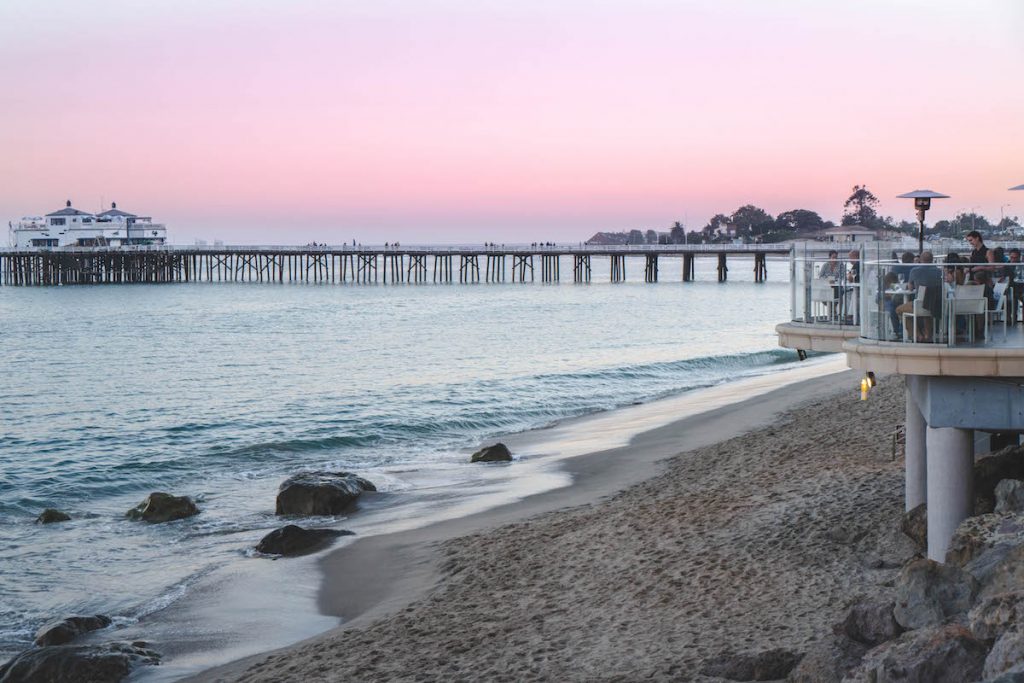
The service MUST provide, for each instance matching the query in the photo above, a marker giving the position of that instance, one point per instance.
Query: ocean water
(221, 391)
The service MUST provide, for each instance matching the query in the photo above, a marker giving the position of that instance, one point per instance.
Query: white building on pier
(71, 227)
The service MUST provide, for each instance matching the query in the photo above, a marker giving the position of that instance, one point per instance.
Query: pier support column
(950, 485)
(916, 469)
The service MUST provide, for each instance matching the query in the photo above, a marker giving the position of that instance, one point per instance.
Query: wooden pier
(354, 264)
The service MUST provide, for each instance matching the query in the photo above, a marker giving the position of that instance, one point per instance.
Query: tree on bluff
(751, 221)
(677, 234)
(799, 221)
(861, 208)
(716, 227)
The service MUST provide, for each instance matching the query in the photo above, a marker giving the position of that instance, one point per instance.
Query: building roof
(68, 211)
(114, 212)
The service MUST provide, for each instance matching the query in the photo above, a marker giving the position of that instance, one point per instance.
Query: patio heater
(922, 202)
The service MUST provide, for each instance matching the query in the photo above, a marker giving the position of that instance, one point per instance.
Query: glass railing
(825, 284)
(940, 299)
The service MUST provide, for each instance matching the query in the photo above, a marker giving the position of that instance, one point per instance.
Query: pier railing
(358, 263)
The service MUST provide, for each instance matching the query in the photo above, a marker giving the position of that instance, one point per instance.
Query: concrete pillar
(914, 441)
(950, 485)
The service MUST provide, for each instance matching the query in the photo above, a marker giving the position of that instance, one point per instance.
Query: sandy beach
(747, 528)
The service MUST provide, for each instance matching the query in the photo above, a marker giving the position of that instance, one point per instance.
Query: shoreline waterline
(375, 575)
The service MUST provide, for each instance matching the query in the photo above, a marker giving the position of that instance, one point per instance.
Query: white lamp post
(922, 202)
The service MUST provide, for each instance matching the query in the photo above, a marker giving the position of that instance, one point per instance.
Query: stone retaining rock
(977, 534)
(915, 525)
(50, 516)
(499, 452)
(992, 616)
(871, 622)
(762, 666)
(320, 493)
(928, 593)
(63, 632)
(941, 654)
(162, 507)
(999, 570)
(1009, 496)
(989, 471)
(828, 661)
(1006, 653)
(1014, 675)
(107, 663)
(293, 540)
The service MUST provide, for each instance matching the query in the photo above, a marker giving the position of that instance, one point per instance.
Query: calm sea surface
(220, 391)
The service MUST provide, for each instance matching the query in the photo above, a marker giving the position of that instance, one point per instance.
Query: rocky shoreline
(783, 554)
(56, 657)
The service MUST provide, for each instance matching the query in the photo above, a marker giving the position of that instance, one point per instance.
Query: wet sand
(743, 529)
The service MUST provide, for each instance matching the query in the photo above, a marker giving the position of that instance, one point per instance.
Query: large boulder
(293, 540)
(928, 593)
(1006, 653)
(107, 663)
(941, 654)
(499, 452)
(993, 616)
(1009, 496)
(999, 570)
(163, 507)
(1014, 675)
(320, 493)
(828, 661)
(63, 632)
(915, 525)
(989, 471)
(50, 516)
(977, 534)
(871, 622)
(769, 665)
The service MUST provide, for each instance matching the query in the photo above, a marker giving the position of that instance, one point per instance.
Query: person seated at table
(925, 275)
(832, 270)
(981, 276)
(853, 275)
(907, 261)
(996, 259)
(955, 275)
(1015, 288)
(891, 282)
(984, 277)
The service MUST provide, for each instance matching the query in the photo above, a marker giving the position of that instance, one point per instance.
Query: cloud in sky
(277, 122)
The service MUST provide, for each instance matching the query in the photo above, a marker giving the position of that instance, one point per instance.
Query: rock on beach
(51, 515)
(499, 452)
(162, 507)
(292, 540)
(66, 630)
(108, 663)
(320, 493)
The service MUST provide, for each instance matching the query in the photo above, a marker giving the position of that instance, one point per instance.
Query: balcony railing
(825, 285)
(945, 301)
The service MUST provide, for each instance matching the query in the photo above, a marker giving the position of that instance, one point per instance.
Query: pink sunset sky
(464, 121)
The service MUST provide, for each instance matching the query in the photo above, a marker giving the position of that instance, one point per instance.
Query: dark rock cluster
(961, 620)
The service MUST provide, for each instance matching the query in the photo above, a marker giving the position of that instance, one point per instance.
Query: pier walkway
(357, 264)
